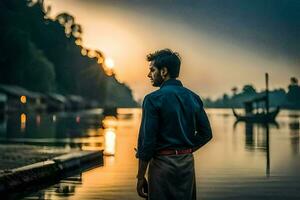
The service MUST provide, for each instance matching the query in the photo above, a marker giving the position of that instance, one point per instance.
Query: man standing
(174, 125)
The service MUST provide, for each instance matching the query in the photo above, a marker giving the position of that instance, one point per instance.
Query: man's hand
(142, 184)
(142, 187)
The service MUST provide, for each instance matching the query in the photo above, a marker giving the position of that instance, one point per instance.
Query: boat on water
(257, 109)
(258, 117)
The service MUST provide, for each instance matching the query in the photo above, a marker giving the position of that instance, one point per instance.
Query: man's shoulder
(192, 95)
(191, 92)
(167, 91)
(151, 99)
(153, 95)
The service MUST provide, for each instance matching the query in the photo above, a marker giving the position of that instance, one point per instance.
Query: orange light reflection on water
(23, 119)
(110, 124)
(120, 169)
(110, 141)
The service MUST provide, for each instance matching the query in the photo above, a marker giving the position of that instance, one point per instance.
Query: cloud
(270, 26)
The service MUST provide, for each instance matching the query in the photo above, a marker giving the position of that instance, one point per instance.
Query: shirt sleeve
(148, 130)
(203, 132)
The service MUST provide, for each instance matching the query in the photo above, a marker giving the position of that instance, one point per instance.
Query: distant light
(54, 118)
(77, 119)
(109, 63)
(23, 99)
(38, 119)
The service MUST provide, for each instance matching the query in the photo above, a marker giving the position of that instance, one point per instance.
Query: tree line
(288, 98)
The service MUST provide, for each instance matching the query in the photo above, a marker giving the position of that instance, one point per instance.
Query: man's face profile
(154, 75)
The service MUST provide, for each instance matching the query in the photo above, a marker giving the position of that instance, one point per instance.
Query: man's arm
(146, 143)
(148, 131)
(203, 128)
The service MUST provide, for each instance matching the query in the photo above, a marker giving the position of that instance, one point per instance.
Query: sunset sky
(222, 43)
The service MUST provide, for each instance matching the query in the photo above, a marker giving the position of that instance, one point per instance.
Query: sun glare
(109, 63)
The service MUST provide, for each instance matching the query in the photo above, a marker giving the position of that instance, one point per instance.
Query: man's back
(177, 119)
(177, 107)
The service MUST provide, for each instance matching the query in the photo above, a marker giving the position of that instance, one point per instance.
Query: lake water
(243, 161)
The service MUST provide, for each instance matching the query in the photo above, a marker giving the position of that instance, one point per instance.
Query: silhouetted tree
(293, 94)
(22, 62)
(294, 81)
(45, 55)
(234, 90)
(249, 89)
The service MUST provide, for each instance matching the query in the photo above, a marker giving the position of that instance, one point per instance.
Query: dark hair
(166, 58)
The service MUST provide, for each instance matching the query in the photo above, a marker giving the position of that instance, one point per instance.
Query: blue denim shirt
(172, 118)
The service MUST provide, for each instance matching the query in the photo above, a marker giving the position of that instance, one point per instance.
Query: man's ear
(164, 72)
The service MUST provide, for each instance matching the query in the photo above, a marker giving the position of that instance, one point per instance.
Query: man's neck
(166, 79)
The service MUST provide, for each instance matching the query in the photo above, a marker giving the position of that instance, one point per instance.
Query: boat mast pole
(267, 93)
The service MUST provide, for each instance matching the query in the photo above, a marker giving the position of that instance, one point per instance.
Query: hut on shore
(76, 102)
(56, 102)
(19, 98)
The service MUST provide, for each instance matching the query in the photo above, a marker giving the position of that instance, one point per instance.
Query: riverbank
(18, 155)
(24, 165)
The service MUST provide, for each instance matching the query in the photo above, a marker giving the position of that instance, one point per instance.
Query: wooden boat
(257, 117)
(254, 112)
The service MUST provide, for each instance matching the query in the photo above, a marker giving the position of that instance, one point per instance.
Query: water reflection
(85, 130)
(82, 130)
(294, 133)
(267, 149)
(64, 189)
(257, 139)
(110, 125)
(23, 122)
(110, 142)
(110, 122)
(257, 136)
(245, 161)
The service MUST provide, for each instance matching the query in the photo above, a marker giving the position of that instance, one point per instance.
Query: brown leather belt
(166, 152)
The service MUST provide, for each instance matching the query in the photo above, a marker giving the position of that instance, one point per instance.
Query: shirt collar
(171, 81)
